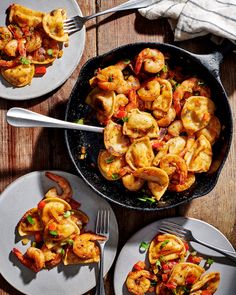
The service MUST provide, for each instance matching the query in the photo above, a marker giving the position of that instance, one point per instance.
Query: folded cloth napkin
(193, 18)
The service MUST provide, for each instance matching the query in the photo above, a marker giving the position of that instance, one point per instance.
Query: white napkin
(193, 18)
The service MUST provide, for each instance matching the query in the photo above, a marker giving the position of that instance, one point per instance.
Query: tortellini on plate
(166, 246)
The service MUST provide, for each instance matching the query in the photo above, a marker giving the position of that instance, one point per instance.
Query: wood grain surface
(24, 150)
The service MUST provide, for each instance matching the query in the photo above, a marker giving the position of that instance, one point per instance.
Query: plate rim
(160, 220)
(40, 172)
(61, 82)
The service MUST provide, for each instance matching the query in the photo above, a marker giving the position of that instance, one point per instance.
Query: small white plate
(25, 193)
(62, 68)
(130, 253)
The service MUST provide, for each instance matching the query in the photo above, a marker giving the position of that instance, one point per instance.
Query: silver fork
(102, 228)
(77, 22)
(176, 229)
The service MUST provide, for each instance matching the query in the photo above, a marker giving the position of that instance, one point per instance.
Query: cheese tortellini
(160, 124)
(31, 40)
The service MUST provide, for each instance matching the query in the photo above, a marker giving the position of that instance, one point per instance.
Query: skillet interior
(114, 190)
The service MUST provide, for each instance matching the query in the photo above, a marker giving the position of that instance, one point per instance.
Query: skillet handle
(213, 60)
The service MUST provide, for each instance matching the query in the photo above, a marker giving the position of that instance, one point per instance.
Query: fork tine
(169, 231)
(173, 229)
(70, 20)
(173, 224)
(107, 221)
(98, 221)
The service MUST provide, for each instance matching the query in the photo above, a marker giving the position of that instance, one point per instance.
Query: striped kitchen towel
(193, 18)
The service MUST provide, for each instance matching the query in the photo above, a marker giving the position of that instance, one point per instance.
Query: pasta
(173, 270)
(58, 227)
(31, 41)
(155, 117)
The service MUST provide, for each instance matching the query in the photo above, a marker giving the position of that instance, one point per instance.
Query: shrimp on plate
(63, 184)
(33, 258)
(138, 282)
(85, 245)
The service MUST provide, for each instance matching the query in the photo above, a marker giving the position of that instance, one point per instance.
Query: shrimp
(11, 48)
(33, 42)
(5, 37)
(150, 90)
(52, 256)
(176, 128)
(212, 130)
(64, 185)
(133, 101)
(9, 63)
(167, 118)
(85, 247)
(179, 187)
(192, 86)
(164, 100)
(152, 61)
(33, 258)
(132, 183)
(139, 282)
(173, 164)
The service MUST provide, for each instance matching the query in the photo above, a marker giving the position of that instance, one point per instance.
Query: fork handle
(227, 253)
(132, 4)
(100, 290)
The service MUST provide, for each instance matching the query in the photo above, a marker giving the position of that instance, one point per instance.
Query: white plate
(130, 253)
(25, 193)
(62, 68)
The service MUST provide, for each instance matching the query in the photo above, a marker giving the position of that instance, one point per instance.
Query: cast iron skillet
(205, 66)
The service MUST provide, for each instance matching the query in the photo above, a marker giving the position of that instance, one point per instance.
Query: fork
(176, 229)
(102, 228)
(76, 23)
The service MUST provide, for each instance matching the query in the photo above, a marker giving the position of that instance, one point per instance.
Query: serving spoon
(20, 117)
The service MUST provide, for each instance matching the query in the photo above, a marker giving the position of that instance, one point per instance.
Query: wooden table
(25, 150)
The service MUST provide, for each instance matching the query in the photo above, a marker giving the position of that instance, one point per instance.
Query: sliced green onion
(49, 51)
(143, 246)
(67, 214)
(110, 160)
(210, 261)
(164, 244)
(125, 119)
(158, 263)
(53, 233)
(126, 61)
(80, 121)
(24, 61)
(70, 242)
(201, 83)
(115, 176)
(30, 220)
(62, 251)
(147, 199)
(165, 69)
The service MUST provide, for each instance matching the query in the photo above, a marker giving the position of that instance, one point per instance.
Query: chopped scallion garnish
(30, 220)
(53, 233)
(67, 214)
(209, 261)
(115, 176)
(110, 160)
(143, 246)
